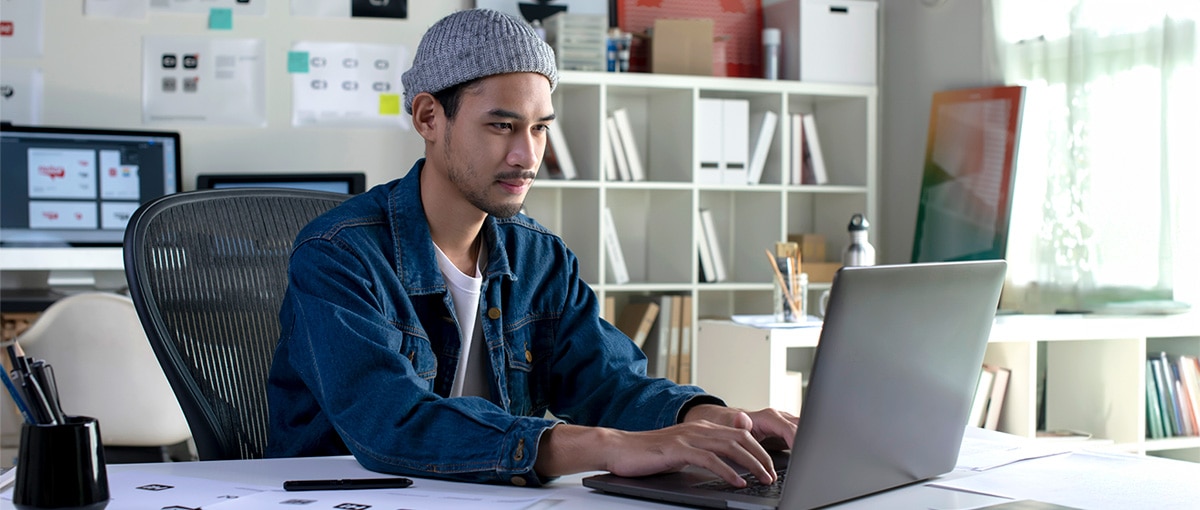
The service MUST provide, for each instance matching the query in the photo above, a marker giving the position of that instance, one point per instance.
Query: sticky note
(297, 61)
(389, 104)
(220, 19)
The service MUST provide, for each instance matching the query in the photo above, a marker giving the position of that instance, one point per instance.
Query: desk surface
(1081, 480)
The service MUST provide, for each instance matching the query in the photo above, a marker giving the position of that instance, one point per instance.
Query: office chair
(105, 368)
(207, 271)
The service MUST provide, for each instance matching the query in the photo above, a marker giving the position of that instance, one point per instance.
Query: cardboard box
(826, 41)
(820, 272)
(682, 46)
(812, 247)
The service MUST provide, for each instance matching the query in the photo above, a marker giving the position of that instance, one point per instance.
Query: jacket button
(528, 356)
(518, 481)
(494, 313)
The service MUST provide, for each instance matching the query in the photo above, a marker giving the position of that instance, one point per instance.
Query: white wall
(924, 49)
(92, 73)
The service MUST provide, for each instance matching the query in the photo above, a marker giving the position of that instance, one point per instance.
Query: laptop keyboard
(753, 486)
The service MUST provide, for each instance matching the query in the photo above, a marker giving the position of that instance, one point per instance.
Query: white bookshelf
(1093, 367)
(654, 217)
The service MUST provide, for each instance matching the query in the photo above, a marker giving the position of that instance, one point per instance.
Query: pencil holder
(61, 466)
(796, 292)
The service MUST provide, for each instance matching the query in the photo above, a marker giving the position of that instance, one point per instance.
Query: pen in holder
(61, 466)
(791, 285)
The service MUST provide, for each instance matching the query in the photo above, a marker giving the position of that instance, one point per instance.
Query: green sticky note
(389, 104)
(297, 61)
(220, 19)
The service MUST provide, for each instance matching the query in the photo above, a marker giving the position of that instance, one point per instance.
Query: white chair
(105, 368)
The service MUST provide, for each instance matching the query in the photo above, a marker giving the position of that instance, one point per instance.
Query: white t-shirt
(470, 379)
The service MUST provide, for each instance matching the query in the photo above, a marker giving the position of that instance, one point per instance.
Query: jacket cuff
(695, 401)
(520, 452)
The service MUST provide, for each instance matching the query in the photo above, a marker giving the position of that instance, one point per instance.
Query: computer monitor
(351, 183)
(77, 187)
(966, 187)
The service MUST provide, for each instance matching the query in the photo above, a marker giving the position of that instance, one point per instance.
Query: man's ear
(427, 116)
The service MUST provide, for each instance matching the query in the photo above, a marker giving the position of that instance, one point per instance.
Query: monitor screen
(63, 186)
(351, 183)
(966, 187)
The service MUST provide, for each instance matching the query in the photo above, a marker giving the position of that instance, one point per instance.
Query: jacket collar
(416, 259)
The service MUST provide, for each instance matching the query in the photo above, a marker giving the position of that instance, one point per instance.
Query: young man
(428, 327)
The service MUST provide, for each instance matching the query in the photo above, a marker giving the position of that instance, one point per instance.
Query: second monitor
(351, 183)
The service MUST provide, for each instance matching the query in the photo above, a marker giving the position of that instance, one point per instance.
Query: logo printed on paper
(381, 86)
(169, 61)
(382, 64)
(155, 487)
(50, 215)
(350, 63)
(317, 62)
(191, 83)
(319, 84)
(7, 91)
(191, 61)
(352, 506)
(6, 29)
(168, 84)
(349, 85)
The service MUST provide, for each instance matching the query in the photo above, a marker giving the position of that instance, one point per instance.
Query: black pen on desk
(347, 484)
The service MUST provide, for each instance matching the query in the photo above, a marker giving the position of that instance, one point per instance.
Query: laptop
(891, 387)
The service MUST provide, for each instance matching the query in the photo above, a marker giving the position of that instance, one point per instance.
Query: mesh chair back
(207, 271)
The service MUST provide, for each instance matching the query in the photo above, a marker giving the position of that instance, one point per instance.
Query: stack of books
(1172, 396)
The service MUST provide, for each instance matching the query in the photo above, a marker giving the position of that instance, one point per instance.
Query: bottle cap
(771, 36)
(857, 222)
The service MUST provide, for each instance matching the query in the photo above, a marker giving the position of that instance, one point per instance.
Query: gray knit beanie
(473, 44)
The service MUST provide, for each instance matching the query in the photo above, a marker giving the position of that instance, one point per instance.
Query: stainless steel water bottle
(859, 251)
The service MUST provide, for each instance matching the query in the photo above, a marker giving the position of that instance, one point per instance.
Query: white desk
(1080, 480)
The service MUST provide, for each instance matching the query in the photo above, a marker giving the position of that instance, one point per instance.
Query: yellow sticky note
(389, 104)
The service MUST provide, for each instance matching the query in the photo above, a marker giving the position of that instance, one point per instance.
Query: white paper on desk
(981, 454)
(409, 499)
(769, 322)
(1091, 480)
(131, 490)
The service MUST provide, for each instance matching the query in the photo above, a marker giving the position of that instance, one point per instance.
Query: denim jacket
(370, 344)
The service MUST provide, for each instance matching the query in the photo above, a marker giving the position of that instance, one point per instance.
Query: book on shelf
(637, 319)
(714, 245)
(674, 338)
(618, 150)
(612, 242)
(686, 341)
(704, 252)
(995, 404)
(735, 142)
(1163, 390)
(629, 144)
(796, 149)
(658, 343)
(1189, 371)
(1154, 422)
(812, 141)
(1171, 375)
(607, 166)
(764, 128)
(983, 389)
(558, 162)
(709, 144)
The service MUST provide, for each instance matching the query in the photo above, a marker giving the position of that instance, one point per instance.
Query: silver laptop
(889, 394)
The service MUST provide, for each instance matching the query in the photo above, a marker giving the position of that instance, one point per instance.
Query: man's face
(494, 145)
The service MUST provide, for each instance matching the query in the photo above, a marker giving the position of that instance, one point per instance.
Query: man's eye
(502, 125)
(542, 127)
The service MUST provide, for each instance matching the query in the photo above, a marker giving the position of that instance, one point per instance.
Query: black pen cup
(61, 466)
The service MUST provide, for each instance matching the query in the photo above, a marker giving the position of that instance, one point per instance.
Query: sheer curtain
(1106, 206)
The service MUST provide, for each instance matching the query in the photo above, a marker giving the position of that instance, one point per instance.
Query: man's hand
(709, 434)
(774, 429)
